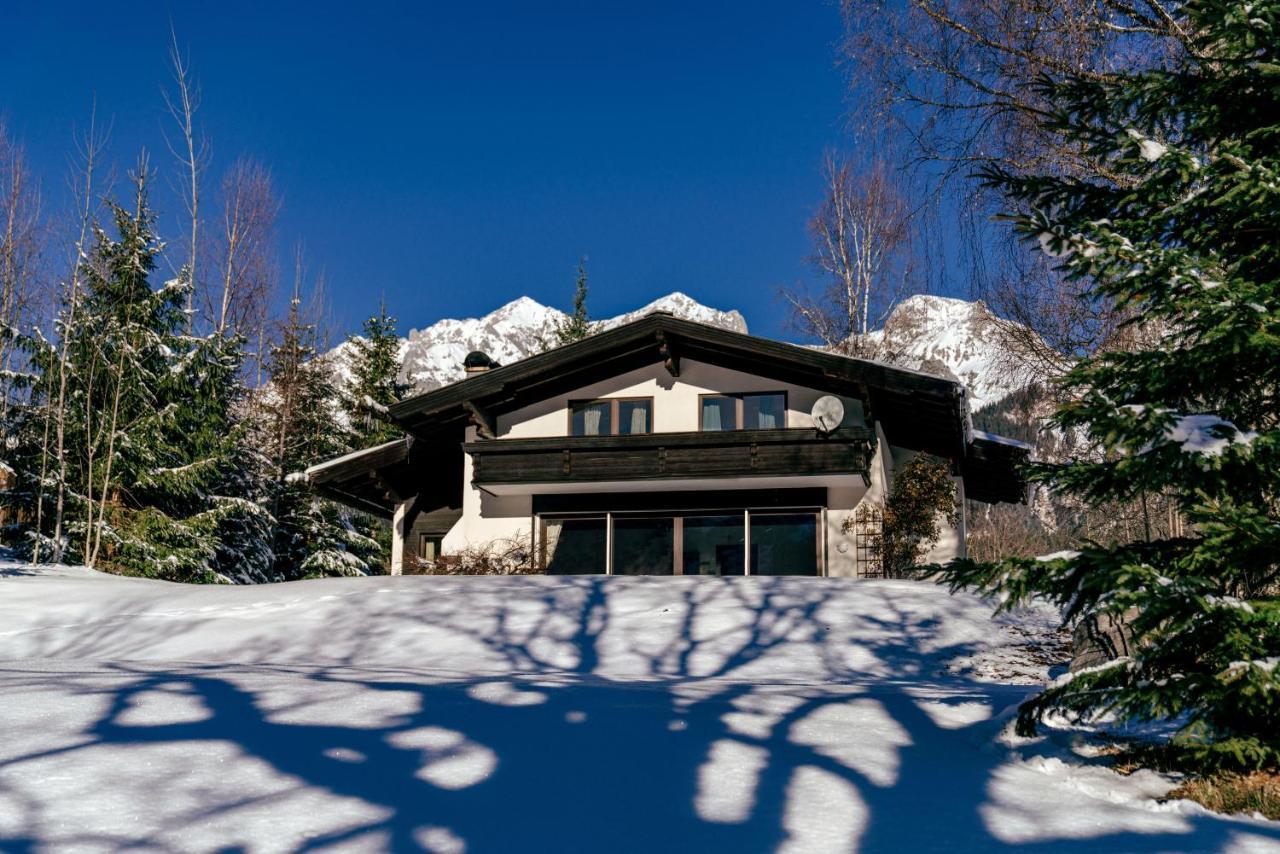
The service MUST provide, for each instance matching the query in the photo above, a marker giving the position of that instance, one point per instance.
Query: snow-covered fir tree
(1183, 233)
(299, 423)
(154, 482)
(374, 359)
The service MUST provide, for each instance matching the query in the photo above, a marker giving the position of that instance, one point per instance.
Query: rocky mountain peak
(955, 338)
(432, 357)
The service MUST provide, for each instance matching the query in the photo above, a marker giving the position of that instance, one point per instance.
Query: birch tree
(245, 262)
(192, 153)
(860, 233)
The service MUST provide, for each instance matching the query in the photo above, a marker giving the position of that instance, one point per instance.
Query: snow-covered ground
(545, 714)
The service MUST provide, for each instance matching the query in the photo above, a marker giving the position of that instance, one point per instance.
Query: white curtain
(639, 420)
(768, 420)
(550, 540)
(711, 415)
(591, 421)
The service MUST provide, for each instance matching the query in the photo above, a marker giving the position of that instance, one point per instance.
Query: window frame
(424, 539)
(739, 409)
(614, 421)
(678, 517)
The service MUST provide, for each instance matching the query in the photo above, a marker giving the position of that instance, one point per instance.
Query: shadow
(567, 714)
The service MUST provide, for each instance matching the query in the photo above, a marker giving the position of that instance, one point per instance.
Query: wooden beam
(483, 420)
(669, 353)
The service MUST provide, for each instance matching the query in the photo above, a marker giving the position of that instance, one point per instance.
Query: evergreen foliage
(374, 357)
(1183, 234)
(299, 424)
(578, 325)
(923, 494)
(174, 469)
(152, 445)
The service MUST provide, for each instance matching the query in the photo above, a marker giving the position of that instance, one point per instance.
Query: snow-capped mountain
(432, 357)
(952, 338)
(949, 337)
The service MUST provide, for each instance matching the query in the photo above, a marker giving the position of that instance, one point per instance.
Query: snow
(1206, 434)
(1001, 440)
(1266, 665)
(547, 714)
(1149, 149)
(1066, 554)
(953, 338)
(432, 357)
(346, 458)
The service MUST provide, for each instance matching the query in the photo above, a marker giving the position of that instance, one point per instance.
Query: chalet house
(669, 447)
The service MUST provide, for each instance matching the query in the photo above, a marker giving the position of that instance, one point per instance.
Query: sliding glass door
(739, 542)
(643, 545)
(575, 546)
(713, 545)
(784, 544)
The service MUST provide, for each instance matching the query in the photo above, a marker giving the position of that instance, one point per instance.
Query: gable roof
(921, 410)
(918, 411)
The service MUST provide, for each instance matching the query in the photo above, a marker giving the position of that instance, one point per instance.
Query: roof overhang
(992, 469)
(372, 480)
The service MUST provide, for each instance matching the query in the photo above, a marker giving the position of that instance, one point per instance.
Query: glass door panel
(574, 546)
(784, 544)
(713, 545)
(643, 545)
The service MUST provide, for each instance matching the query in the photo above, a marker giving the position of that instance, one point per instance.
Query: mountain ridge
(954, 338)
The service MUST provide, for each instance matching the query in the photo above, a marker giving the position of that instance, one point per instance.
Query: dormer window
(753, 411)
(618, 416)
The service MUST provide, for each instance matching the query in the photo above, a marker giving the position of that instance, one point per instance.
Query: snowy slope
(545, 714)
(432, 357)
(950, 337)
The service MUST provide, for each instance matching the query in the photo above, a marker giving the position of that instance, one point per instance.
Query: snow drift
(544, 714)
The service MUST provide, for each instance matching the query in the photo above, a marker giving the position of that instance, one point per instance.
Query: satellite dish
(827, 412)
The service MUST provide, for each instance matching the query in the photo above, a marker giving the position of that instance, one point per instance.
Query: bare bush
(503, 556)
(997, 531)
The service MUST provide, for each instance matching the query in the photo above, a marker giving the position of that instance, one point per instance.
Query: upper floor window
(756, 411)
(613, 417)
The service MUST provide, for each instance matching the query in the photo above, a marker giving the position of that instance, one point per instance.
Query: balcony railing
(658, 456)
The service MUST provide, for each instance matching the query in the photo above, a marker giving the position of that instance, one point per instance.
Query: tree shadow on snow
(697, 756)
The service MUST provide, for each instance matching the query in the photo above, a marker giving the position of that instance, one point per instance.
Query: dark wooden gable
(918, 410)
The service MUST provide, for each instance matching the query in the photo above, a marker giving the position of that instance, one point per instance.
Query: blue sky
(453, 156)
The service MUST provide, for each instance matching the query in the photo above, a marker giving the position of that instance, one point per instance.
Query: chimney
(477, 363)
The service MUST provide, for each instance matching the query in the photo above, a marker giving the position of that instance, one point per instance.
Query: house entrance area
(764, 541)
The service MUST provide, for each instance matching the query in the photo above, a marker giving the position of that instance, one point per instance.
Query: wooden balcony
(670, 456)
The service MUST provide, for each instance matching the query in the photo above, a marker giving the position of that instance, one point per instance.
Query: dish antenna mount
(827, 413)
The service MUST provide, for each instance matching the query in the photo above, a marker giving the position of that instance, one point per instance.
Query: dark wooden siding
(657, 456)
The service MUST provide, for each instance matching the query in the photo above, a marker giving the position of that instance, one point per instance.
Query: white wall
(675, 400)
(486, 517)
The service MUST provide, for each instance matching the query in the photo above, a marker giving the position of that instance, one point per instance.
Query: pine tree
(374, 358)
(1184, 235)
(299, 425)
(156, 482)
(578, 325)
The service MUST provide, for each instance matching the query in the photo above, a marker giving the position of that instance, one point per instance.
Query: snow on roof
(1002, 440)
(354, 455)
